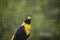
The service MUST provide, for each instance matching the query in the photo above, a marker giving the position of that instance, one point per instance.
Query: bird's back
(20, 34)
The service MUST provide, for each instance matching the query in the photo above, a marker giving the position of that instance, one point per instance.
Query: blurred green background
(45, 18)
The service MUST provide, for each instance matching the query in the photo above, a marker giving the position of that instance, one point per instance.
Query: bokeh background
(45, 18)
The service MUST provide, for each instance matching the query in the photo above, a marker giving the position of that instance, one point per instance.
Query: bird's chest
(27, 29)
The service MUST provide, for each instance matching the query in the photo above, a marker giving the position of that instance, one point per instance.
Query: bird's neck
(27, 28)
(25, 23)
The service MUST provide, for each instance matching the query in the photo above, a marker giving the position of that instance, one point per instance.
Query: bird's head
(28, 20)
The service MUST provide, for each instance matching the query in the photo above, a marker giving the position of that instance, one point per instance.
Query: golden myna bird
(23, 31)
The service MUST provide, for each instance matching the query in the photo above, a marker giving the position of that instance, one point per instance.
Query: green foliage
(45, 18)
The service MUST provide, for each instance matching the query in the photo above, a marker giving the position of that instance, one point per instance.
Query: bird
(23, 32)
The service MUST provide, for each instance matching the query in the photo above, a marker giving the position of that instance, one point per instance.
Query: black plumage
(20, 34)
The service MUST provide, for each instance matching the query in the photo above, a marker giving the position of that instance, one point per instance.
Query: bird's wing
(18, 33)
